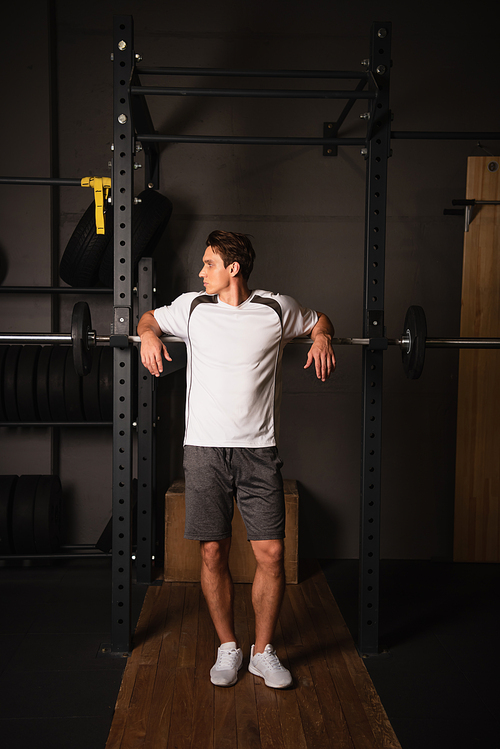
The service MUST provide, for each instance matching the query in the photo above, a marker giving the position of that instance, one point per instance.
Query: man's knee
(215, 554)
(269, 554)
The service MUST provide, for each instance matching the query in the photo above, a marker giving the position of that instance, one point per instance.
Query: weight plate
(56, 383)
(23, 534)
(26, 383)
(106, 384)
(90, 389)
(81, 325)
(3, 354)
(10, 383)
(47, 513)
(416, 328)
(73, 392)
(42, 383)
(7, 489)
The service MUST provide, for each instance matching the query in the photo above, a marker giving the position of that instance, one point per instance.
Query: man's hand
(151, 345)
(321, 351)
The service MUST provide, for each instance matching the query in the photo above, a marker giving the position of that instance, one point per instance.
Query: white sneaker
(224, 673)
(268, 666)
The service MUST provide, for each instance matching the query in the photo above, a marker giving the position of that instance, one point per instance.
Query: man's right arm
(151, 346)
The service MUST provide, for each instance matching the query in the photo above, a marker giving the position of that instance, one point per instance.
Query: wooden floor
(166, 699)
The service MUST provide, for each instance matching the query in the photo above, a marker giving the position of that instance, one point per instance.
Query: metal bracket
(330, 130)
(121, 322)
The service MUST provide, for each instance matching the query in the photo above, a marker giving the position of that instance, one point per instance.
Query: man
(235, 339)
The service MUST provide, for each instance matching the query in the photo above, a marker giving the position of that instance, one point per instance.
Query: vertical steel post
(123, 183)
(378, 151)
(146, 416)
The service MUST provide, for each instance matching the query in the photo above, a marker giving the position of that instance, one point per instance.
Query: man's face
(215, 277)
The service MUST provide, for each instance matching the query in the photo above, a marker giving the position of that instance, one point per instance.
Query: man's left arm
(321, 351)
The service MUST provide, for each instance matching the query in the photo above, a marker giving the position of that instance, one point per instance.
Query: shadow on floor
(439, 622)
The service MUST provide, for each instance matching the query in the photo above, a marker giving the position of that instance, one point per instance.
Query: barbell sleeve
(484, 343)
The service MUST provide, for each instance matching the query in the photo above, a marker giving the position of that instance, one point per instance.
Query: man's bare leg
(217, 586)
(268, 589)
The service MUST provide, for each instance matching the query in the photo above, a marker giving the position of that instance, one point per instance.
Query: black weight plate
(73, 392)
(57, 371)
(3, 354)
(416, 327)
(106, 384)
(81, 325)
(90, 388)
(7, 489)
(10, 383)
(42, 383)
(47, 513)
(23, 507)
(26, 383)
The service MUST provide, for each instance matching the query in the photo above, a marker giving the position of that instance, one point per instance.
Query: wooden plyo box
(182, 557)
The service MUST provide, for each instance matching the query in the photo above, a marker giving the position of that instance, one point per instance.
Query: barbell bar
(413, 341)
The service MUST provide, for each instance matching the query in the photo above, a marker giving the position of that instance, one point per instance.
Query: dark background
(305, 212)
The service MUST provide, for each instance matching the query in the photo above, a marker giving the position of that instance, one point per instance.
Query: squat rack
(133, 130)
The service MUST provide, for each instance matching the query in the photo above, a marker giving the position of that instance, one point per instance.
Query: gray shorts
(214, 475)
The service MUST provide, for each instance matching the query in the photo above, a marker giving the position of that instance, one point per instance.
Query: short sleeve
(173, 319)
(297, 320)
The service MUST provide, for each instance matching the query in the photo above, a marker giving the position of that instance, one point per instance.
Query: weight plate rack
(30, 516)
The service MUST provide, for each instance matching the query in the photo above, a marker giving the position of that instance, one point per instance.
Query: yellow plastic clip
(102, 186)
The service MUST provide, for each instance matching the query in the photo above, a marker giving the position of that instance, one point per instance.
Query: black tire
(149, 220)
(83, 254)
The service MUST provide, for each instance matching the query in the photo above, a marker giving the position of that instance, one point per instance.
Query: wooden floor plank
(166, 700)
(158, 727)
(181, 719)
(204, 697)
(247, 722)
(268, 716)
(370, 700)
(322, 637)
(292, 729)
(143, 639)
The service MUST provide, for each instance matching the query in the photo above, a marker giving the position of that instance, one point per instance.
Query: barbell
(413, 341)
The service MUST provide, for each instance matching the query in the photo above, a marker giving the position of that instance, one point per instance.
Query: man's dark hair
(233, 248)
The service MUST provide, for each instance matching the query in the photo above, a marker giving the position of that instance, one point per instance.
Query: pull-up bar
(250, 140)
(346, 75)
(249, 93)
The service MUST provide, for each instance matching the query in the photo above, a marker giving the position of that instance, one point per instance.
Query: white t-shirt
(234, 364)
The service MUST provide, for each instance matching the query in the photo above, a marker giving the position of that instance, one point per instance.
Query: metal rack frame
(132, 124)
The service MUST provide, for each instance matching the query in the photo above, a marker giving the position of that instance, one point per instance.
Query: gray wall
(305, 212)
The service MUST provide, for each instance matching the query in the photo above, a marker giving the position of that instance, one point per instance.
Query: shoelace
(226, 659)
(272, 661)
